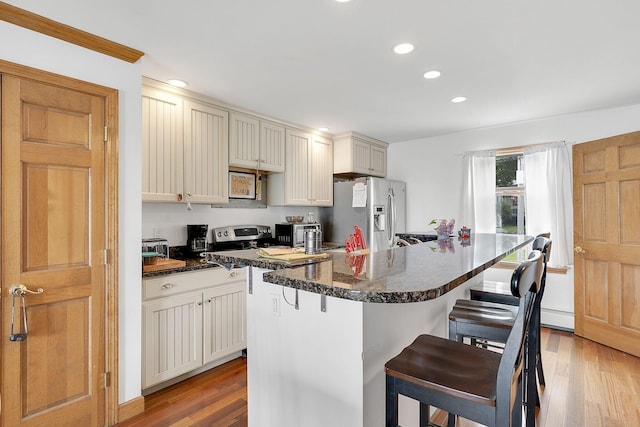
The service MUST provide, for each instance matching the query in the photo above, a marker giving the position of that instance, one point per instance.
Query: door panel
(629, 208)
(594, 219)
(53, 237)
(630, 297)
(606, 176)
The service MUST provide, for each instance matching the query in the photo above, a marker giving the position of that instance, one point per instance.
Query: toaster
(161, 246)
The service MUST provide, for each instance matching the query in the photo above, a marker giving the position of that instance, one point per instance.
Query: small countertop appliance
(197, 237)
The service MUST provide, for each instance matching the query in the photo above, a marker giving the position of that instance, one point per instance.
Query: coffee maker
(197, 237)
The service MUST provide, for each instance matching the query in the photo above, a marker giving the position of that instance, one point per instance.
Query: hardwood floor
(587, 385)
(217, 397)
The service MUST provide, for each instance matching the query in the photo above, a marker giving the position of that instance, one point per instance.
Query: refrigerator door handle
(391, 206)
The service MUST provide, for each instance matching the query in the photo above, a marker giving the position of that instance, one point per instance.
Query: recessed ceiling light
(433, 74)
(324, 129)
(403, 48)
(177, 83)
(458, 99)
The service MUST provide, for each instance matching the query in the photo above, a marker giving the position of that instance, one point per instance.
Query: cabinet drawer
(179, 283)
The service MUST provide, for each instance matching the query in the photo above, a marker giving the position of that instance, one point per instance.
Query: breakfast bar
(319, 334)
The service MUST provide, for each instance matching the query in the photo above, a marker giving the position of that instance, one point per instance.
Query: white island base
(310, 368)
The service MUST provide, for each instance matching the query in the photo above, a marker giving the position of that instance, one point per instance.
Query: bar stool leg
(391, 403)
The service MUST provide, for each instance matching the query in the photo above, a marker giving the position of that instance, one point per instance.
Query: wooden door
(53, 237)
(606, 193)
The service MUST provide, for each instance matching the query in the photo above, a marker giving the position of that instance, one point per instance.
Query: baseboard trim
(130, 408)
(557, 319)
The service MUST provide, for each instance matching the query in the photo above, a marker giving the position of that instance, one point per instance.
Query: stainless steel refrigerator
(379, 211)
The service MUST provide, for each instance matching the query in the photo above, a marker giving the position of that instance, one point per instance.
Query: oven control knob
(226, 233)
(219, 234)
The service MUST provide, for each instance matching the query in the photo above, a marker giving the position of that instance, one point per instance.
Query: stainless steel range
(241, 237)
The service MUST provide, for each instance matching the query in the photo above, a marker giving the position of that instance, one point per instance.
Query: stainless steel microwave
(289, 234)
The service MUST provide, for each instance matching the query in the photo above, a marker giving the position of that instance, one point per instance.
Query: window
(510, 198)
(497, 185)
(510, 193)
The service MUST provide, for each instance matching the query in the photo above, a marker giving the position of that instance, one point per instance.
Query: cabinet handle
(166, 286)
(199, 302)
(179, 197)
(233, 274)
(209, 300)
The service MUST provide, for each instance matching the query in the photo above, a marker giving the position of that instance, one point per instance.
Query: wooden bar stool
(492, 322)
(499, 292)
(472, 382)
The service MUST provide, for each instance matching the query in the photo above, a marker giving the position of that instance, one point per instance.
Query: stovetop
(241, 237)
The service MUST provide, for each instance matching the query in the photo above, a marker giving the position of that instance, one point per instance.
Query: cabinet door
(321, 166)
(244, 141)
(225, 326)
(206, 154)
(162, 146)
(361, 157)
(271, 147)
(378, 161)
(297, 176)
(172, 337)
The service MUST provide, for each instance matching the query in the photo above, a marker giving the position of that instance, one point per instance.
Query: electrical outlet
(275, 305)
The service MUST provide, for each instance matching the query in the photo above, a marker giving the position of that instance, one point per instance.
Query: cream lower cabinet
(308, 176)
(190, 321)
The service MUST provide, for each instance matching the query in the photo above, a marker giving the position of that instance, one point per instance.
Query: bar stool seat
(475, 383)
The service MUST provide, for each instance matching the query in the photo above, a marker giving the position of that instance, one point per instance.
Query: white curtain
(479, 191)
(549, 200)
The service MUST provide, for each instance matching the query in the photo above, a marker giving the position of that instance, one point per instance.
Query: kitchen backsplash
(169, 220)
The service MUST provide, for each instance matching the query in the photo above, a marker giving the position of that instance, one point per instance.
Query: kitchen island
(320, 334)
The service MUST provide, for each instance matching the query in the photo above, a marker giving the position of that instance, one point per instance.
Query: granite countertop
(192, 264)
(404, 274)
(239, 258)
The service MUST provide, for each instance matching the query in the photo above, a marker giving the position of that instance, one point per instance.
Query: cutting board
(164, 264)
(288, 255)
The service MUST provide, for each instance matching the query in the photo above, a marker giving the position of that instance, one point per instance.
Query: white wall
(169, 220)
(28, 48)
(432, 168)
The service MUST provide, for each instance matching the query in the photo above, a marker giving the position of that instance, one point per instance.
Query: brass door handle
(579, 250)
(19, 290)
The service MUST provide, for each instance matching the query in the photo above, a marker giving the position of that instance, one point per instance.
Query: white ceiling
(323, 63)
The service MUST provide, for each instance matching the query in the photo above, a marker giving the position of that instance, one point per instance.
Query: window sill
(510, 265)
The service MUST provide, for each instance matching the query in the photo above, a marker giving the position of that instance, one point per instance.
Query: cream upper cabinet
(256, 144)
(321, 166)
(308, 176)
(162, 146)
(206, 163)
(360, 155)
(272, 138)
(185, 145)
